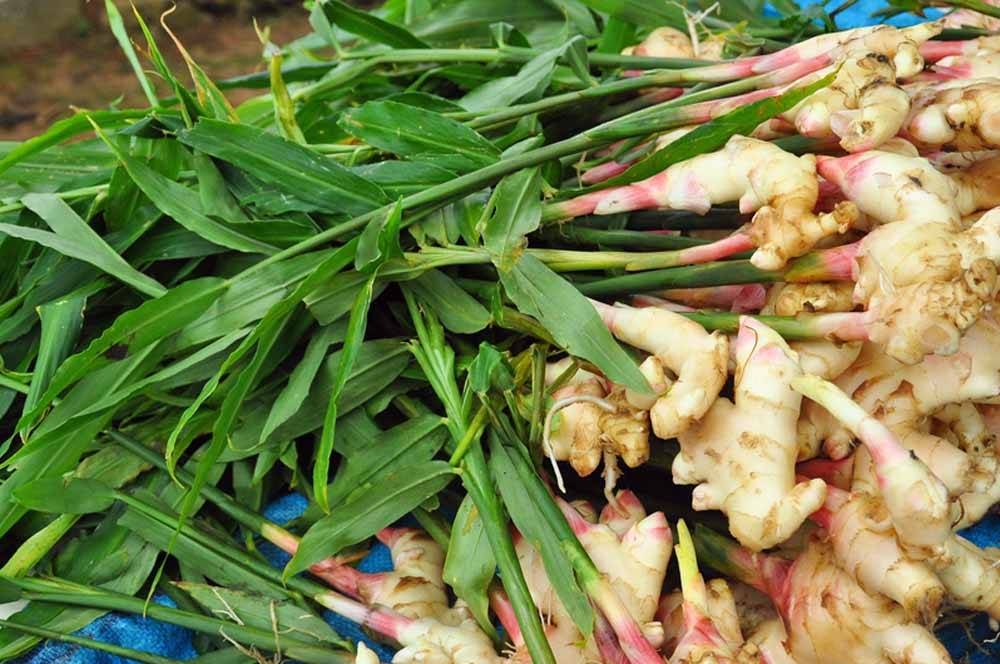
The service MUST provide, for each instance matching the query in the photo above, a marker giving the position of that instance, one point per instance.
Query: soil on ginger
(87, 69)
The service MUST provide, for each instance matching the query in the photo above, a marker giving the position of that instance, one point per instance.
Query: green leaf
(290, 398)
(74, 238)
(292, 168)
(131, 332)
(117, 26)
(531, 522)
(216, 200)
(190, 109)
(284, 107)
(264, 336)
(490, 370)
(570, 318)
(369, 26)
(578, 60)
(649, 13)
(62, 321)
(332, 301)
(379, 240)
(470, 565)
(263, 612)
(356, 326)
(184, 205)
(9, 592)
(458, 311)
(713, 135)
(56, 495)
(374, 506)
(617, 34)
(62, 456)
(518, 211)
(402, 178)
(416, 133)
(530, 82)
(63, 130)
(408, 444)
(249, 298)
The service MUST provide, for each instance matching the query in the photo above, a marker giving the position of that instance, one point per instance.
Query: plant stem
(128, 653)
(35, 547)
(630, 637)
(472, 433)
(577, 234)
(803, 327)
(72, 194)
(515, 55)
(61, 592)
(828, 265)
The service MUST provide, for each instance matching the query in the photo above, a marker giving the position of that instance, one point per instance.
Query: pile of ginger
(845, 458)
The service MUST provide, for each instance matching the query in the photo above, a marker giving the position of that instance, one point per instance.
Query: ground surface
(87, 69)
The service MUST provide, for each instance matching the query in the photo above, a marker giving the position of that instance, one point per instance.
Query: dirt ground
(87, 69)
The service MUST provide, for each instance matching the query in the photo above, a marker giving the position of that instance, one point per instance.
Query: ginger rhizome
(630, 548)
(742, 453)
(696, 358)
(922, 277)
(594, 424)
(780, 188)
(824, 609)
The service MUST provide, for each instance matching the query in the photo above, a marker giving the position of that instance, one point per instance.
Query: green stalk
(33, 549)
(515, 55)
(128, 653)
(577, 234)
(11, 384)
(564, 260)
(501, 117)
(806, 269)
(62, 592)
(71, 195)
(593, 582)
(802, 327)
(675, 220)
(436, 359)
(974, 5)
(219, 498)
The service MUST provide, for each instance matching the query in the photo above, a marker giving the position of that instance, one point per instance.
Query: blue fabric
(128, 631)
(860, 13)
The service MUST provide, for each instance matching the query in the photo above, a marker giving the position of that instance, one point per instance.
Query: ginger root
(664, 42)
(865, 545)
(779, 187)
(698, 359)
(924, 280)
(825, 610)
(742, 455)
(629, 547)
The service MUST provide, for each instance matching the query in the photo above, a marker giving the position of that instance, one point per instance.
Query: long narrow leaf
(356, 327)
(74, 238)
(570, 318)
(382, 502)
(131, 332)
(290, 167)
(368, 26)
(184, 205)
(117, 26)
(62, 321)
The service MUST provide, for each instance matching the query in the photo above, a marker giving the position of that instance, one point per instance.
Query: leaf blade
(78, 240)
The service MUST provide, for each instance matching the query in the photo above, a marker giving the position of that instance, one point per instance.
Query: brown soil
(88, 70)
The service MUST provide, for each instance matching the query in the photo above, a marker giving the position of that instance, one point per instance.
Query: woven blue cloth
(128, 631)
